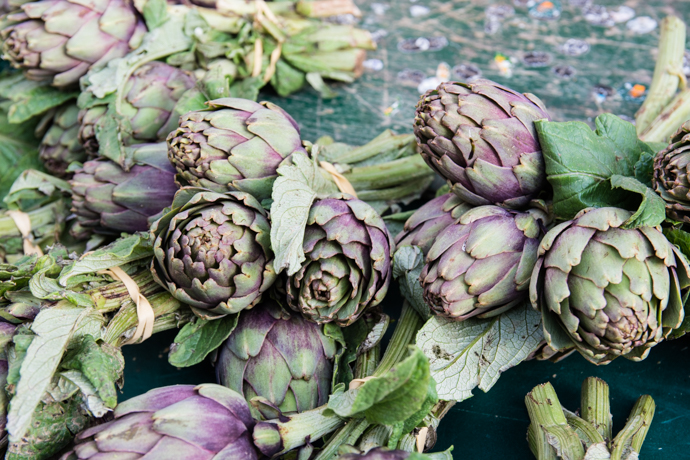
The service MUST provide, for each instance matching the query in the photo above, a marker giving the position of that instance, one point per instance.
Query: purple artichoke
(278, 356)
(235, 144)
(60, 145)
(108, 199)
(212, 251)
(481, 265)
(480, 136)
(348, 267)
(422, 228)
(60, 40)
(206, 422)
(148, 101)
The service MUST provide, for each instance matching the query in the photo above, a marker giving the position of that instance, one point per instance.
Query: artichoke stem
(111, 296)
(348, 434)
(389, 173)
(667, 72)
(595, 406)
(384, 142)
(274, 438)
(403, 335)
(669, 120)
(164, 307)
(548, 420)
(39, 218)
(367, 362)
(326, 8)
(398, 192)
(633, 434)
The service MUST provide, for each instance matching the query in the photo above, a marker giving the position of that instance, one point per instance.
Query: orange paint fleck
(638, 90)
(545, 6)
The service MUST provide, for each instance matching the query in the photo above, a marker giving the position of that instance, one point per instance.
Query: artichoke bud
(235, 144)
(178, 421)
(671, 179)
(481, 265)
(606, 290)
(280, 362)
(481, 138)
(422, 228)
(108, 199)
(60, 145)
(348, 262)
(212, 251)
(47, 38)
(147, 103)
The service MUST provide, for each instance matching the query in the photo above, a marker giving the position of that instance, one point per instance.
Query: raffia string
(263, 11)
(145, 313)
(421, 439)
(356, 383)
(341, 181)
(23, 223)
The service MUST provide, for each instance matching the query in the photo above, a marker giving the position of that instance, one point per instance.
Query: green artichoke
(480, 136)
(606, 290)
(235, 144)
(481, 265)
(108, 199)
(424, 226)
(278, 356)
(212, 251)
(348, 267)
(60, 145)
(147, 100)
(176, 422)
(671, 177)
(60, 40)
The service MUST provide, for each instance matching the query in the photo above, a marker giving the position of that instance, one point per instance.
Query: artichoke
(606, 290)
(671, 177)
(278, 356)
(175, 422)
(480, 136)
(235, 144)
(422, 228)
(108, 199)
(60, 145)
(212, 251)
(481, 265)
(348, 262)
(147, 100)
(59, 40)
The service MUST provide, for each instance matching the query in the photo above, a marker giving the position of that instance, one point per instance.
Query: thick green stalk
(376, 436)
(669, 120)
(631, 437)
(348, 434)
(367, 362)
(396, 193)
(403, 335)
(584, 429)
(165, 308)
(667, 72)
(595, 405)
(111, 296)
(39, 217)
(325, 8)
(389, 174)
(274, 438)
(384, 142)
(548, 420)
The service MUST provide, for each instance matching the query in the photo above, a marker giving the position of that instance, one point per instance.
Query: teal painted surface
(493, 425)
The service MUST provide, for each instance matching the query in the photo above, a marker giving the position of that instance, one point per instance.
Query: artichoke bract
(60, 145)
(481, 265)
(671, 177)
(348, 262)
(147, 101)
(235, 144)
(108, 199)
(422, 228)
(176, 422)
(59, 40)
(606, 290)
(212, 251)
(278, 356)
(481, 138)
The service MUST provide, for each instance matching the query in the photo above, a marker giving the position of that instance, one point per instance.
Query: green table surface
(493, 425)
